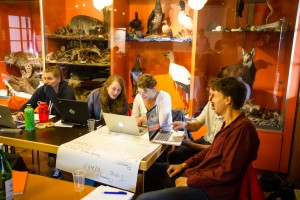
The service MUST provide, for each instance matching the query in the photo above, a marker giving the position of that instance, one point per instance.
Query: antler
(275, 25)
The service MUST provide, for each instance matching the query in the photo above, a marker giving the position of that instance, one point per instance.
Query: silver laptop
(157, 135)
(73, 112)
(123, 124)
(7, 120)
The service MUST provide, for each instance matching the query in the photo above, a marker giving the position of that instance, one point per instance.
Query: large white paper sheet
(109, 158)
(99, 193)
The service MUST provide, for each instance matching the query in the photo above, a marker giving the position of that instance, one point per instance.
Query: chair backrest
(250, 188)
(129, 112)
(178, 115)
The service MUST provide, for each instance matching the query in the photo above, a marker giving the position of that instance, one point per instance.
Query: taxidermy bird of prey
(155, 18)
(136, 22)
(180, 75)
(166, 30)
(183, 19)
(135, 72)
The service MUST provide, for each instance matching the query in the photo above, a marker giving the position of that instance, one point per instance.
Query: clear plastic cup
(91, 124)
(78, 179)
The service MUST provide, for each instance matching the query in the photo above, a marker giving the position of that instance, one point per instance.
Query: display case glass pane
(221, 38)
(267, 38)
(20, 47)
(76, 39)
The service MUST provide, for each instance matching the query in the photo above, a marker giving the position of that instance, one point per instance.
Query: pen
(99, 127)
(118, 192)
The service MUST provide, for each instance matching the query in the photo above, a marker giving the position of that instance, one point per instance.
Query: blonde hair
(56, 71)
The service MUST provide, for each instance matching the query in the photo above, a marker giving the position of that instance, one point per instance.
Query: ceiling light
(100, 4)
(196, 4)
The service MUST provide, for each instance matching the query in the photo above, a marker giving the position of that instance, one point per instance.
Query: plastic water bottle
(29, 118)
(6, 185)
(43, 112)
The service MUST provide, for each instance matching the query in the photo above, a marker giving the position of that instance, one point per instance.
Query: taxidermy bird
(166, 30)
(135, 72)
(136, 22)
(155, 18)
(180, 75)
(185, 20)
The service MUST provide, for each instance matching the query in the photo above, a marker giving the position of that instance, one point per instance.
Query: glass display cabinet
(76, 38)
(257, 43)
(257, 47)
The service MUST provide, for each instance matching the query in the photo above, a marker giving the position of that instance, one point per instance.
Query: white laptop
(157, 135)
(7, 120)
(122, 124)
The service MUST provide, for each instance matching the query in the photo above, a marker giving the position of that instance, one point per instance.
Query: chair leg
(51, 155)
(12, 149)
(38, 161)
(32, 157)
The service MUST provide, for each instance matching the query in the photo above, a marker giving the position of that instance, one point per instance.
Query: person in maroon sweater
(215, 173)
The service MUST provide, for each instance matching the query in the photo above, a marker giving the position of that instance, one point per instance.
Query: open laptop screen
(153, 121)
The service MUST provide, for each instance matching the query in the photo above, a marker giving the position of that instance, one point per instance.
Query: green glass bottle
(29, 118)
(6, 185)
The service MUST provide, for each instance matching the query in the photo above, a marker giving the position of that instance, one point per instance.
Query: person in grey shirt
(213, 123)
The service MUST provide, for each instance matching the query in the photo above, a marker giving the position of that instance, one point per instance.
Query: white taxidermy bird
(166, 30)
(185, 20)
(180, 75)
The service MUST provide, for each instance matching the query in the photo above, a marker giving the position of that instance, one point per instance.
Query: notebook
(108, 193)
(123, 124)
(19, 181)
(73, 112)
(157, 135)
(7, 120)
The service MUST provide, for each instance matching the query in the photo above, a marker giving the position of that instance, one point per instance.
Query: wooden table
(40, 187)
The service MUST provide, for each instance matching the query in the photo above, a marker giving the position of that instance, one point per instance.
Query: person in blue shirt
(111, 98)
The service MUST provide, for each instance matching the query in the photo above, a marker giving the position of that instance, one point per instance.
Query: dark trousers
(16, 162)
(183, 152)
(158, 185)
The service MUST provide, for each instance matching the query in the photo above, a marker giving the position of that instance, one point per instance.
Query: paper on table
(36, 117)
(108, 157)
(98, 193)
(60, 124)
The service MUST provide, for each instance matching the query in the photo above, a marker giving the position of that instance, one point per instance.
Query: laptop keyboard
(163, 135)
(19, 123)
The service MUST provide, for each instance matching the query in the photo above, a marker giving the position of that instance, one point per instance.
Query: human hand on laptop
(178, 125)
(141, 120)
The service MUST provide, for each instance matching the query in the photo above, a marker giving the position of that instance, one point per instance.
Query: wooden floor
(45, 168)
